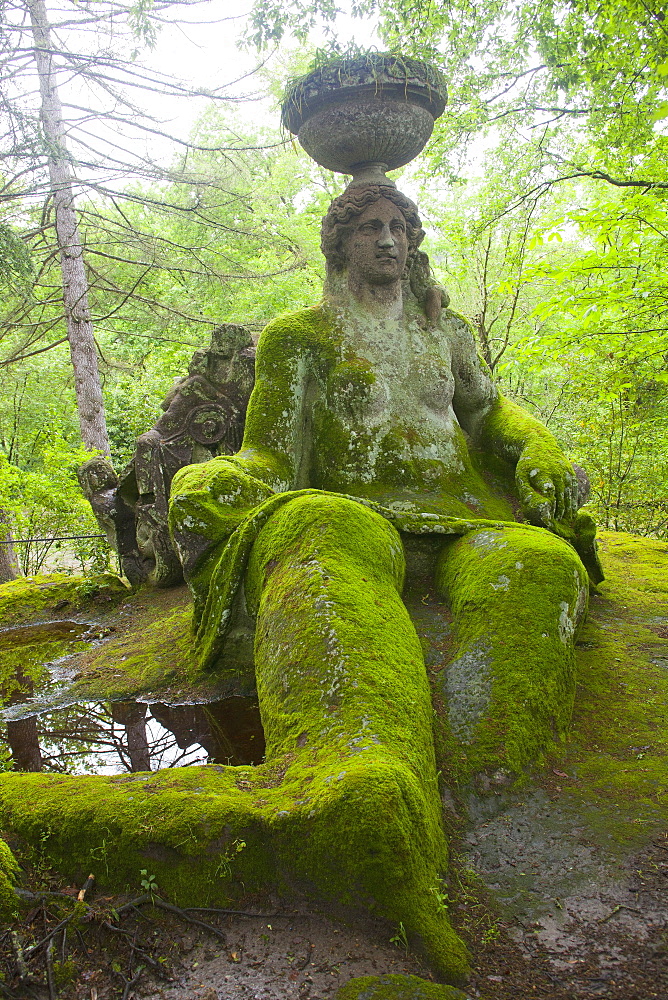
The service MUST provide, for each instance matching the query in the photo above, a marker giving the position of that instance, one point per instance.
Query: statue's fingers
(559, 504)
(539, 509)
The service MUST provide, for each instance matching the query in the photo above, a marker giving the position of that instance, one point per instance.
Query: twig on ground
(129, 983)
(156, 901)
(616, 909)
(29, 952)
(50, 981)
(142, 954)
(19, 957)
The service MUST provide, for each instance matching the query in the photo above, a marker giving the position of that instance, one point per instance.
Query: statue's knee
(207, 503)
(514, 565)
(213, 497)
(334, 530)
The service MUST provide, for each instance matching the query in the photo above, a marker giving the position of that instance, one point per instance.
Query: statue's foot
(363, 831)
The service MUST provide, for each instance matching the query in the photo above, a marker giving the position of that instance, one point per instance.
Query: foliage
(45, 503)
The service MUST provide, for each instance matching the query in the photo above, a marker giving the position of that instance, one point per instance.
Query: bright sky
(206, 53)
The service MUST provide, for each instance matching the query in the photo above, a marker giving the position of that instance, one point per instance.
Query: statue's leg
(518, 596)
(347, 715)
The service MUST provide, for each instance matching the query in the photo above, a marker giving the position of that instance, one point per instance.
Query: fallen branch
(156, 901)
(142, 954)
(86, 887)
(50, 979)
(19, 957)
(29, 952)
(616, 909)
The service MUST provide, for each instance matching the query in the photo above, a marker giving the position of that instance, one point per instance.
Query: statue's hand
(546, 485)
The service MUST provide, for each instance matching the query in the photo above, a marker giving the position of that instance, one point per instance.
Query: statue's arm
(545, 480)
(273, 435)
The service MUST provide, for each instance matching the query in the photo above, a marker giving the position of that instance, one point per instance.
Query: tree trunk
(90, 404)
(8, 564)
(24, 743)
(132, 715)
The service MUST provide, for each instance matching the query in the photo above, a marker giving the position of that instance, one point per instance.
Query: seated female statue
(374, 423)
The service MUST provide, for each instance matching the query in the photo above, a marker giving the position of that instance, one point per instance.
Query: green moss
(396, 987)
(345, 704)
(518, 597)
(27, 597)
(149, 656)
(618, 750)
(9, 871)
(348, 744)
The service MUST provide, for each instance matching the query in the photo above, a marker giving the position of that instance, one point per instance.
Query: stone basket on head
(363, 115)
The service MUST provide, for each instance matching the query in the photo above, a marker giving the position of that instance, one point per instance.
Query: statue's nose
(385, 239)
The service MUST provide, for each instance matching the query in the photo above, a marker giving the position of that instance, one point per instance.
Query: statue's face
(377, 248)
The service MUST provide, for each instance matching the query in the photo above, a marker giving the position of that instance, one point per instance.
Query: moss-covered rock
(28, 597)
(9, 871)
(396, 987)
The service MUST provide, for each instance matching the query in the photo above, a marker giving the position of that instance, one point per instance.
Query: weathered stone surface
(203, 416)
(378, 108)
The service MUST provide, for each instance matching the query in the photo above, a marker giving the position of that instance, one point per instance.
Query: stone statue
(377, 453)
(203, 416)
(375, 434)
(378, 450)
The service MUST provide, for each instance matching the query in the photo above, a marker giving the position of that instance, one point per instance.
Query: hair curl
(343, 212)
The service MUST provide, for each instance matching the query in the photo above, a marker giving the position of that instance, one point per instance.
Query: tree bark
(8, 564)
(90, 404)
(132, 715)
(23, 741)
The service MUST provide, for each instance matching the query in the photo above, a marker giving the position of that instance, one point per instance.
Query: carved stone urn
(365, 114)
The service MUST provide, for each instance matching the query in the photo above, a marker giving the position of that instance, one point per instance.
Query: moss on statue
(347, 706)
(510, 692)
(396, 987)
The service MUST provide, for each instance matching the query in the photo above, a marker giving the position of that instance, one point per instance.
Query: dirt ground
(556, 918)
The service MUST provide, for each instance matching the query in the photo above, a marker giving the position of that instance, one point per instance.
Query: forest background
(544, 192)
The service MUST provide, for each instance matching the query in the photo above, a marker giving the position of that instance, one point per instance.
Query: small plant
(400, 939)
(148, 882)
(101, 853)
(224, 869)
(492, 933)
(441, 897)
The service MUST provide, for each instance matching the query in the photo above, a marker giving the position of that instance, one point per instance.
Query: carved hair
(342, 214)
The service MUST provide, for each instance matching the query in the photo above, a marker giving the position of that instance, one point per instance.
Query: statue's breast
(393, 385)
(355, 390)
(430, 382)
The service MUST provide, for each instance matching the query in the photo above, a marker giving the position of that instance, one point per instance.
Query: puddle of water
(34, 658)
(40, 632)
(96, 738)
(101, 737)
